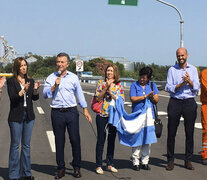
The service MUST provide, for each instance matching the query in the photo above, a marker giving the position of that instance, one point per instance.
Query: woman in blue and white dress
(139, 92)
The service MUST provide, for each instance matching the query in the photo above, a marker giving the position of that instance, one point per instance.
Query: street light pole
(181, 21)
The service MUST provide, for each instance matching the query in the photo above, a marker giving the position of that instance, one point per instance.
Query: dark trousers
(188, 109)
(61, 121)
(101, 123)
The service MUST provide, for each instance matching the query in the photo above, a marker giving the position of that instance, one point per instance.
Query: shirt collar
(67, 73)
(178, 67)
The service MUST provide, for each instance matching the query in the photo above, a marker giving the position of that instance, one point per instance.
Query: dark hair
(116, 73)
(146, 71)
(16, 66)
(65, 55)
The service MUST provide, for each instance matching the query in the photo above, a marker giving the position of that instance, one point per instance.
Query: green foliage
(130, 74)
(2, 68)
(121, 69)
(8, 68)
(72, 67)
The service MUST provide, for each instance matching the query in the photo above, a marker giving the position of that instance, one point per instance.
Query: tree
(120, 68)
(8, 68)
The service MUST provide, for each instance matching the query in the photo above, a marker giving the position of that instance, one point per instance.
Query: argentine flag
(134, 129)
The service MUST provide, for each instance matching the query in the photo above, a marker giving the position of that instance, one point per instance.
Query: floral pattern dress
(117, 90)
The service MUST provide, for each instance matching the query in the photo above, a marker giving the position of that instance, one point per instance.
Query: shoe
(60, 174)
(204, 161)
(77, 173)
(146, 167)
(99, 170)
(170, 166)
(188, 165)
(137, 167)
(27, 178)
(112, 169)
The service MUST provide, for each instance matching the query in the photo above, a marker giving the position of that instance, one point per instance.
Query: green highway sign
(124, 2)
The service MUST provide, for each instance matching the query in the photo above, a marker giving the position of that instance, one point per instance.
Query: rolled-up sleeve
(170, 86)
(47, 93)
(79, 94)
(195, 79)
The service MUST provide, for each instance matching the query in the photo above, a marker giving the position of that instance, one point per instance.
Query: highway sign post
(123, 2)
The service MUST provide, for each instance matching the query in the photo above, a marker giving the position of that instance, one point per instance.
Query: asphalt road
(43, 155)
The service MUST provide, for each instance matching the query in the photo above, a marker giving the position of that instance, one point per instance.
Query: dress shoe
(170, 166)
(137, 167)
(77, 173)
(60, 174)
(112, 169)
(146, 167)
(27, 178)
(188, 165)
(99, 170)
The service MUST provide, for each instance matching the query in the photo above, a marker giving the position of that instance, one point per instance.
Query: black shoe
(204, 161)
(14, 179)
(27, 178)
(77, 173)
(60, 174)
(146, 167)
(188, 165)
(137, 167)
(170, 166)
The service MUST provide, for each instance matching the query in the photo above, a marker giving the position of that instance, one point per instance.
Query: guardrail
(126, 82)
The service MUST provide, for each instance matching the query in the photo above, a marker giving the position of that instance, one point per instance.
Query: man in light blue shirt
(182, 84)
(62, 86)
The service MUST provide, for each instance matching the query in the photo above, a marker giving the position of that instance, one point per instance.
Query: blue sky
(147, 33)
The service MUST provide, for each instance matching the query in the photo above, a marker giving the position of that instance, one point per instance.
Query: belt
(63, 109)
(188, 99)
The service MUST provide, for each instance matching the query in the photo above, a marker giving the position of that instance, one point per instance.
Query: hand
(26, 86)
(109, 82)
(186, 78)
(151, 94)
(57, 81)
(87, 115)
(2, 81)
(37, 85)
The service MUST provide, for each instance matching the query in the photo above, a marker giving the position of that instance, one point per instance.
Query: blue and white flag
(134, 129)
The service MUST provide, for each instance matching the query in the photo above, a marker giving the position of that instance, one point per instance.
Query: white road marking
(127, 103)
(51, 139)
(161, 113)
(89, 93)
(40, 110)
(164, 95)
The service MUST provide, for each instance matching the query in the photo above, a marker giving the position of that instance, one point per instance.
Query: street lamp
(181, 21)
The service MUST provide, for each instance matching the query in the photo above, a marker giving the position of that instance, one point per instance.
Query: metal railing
(126, 82)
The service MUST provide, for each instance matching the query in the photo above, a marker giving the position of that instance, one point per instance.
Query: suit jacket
(17, 102)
